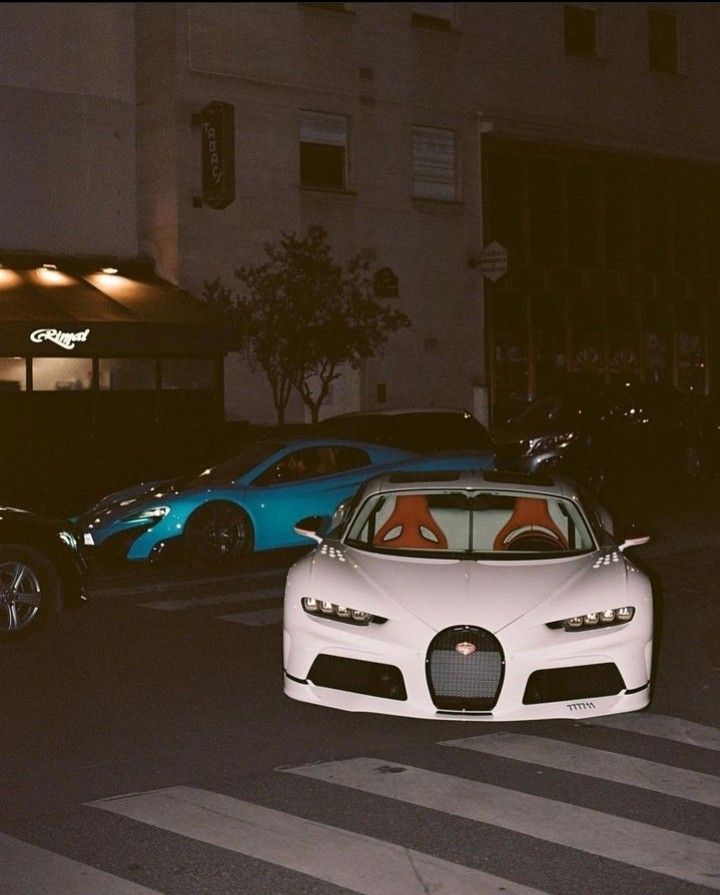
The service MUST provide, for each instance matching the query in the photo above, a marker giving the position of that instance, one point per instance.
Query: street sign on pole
(494, 261)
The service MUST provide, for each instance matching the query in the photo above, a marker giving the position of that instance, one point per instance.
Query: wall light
(109, 269)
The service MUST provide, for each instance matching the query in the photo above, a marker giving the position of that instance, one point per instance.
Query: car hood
(523, 434)
(130, 497)
(18, 518)
(492, 594)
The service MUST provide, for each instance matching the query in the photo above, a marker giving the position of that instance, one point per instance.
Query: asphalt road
(147, 747)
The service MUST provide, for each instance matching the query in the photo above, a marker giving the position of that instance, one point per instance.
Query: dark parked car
(42, 571)
(422, 430)
(605, 433)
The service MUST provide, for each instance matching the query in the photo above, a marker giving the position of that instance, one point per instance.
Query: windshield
(233, 467)
(499, 525)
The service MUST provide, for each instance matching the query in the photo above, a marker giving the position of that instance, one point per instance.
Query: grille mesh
(465, 682)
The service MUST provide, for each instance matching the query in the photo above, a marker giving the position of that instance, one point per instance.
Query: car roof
(331, 441)
(398, 411)
(472, 480)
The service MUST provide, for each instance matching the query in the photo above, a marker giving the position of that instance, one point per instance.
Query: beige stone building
(582, 138)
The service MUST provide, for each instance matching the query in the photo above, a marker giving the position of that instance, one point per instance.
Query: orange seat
(412, 516)
(530, 518)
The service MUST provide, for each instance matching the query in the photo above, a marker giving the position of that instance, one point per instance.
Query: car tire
(30, 591)
(218, 532)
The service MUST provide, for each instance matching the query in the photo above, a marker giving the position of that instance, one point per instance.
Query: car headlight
(68, 538)
(338, 612)
(549, 442)
(151, 515)
(604, 618)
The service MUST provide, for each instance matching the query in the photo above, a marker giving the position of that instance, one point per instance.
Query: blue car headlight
(151, 515)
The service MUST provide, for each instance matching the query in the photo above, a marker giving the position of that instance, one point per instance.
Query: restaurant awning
(101, 306)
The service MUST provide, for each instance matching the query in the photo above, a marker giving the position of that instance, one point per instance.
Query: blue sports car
(251, 501)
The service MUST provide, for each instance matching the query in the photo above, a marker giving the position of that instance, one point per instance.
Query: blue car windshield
(232, 468)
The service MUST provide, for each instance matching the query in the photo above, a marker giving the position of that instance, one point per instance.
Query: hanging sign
(218, 154)
(494, 261)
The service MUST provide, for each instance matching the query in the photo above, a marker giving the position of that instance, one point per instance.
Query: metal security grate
(465, 667)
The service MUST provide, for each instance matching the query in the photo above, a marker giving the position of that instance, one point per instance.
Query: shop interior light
(110, 270)
(49, 266)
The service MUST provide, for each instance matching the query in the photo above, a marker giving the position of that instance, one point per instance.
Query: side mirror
(632, 537)
(312, 527)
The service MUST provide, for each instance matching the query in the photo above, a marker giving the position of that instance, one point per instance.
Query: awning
(99, 306)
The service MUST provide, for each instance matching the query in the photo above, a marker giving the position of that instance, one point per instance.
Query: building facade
(583, 138)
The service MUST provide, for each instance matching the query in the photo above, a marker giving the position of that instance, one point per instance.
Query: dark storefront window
(504, 202)
(188, 373)
(544, 210)
(619, 209)
(690, 346)
(549, 341)
(652, 187)
(126, 373)
(510, 353)
(582, 214)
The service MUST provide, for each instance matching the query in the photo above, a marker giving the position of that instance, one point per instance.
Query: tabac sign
(218, 154)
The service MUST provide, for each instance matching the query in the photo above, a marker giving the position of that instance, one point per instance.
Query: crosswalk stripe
(254, 619)
(28, 870)
(630, 842)
(351, 860)
(250, 596)
(663, 726)
(677, 782)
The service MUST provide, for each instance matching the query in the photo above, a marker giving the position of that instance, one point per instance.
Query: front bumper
(628, 649)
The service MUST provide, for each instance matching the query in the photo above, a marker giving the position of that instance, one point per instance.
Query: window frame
(306, 123)
(417, 132)
(570, 9)
(661, 13)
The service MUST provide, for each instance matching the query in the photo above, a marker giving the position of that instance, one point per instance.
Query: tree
(303, 316)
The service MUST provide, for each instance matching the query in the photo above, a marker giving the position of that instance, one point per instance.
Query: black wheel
(30, 591)
(218, 532)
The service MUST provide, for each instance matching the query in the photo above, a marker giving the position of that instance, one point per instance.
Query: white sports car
(482, 596)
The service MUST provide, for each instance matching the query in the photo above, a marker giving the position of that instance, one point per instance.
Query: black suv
(605, 433)
(424, 431)
(42, 571)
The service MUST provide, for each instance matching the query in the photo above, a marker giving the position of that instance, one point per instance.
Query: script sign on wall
(218, 154)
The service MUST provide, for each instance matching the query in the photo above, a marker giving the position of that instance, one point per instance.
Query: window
(188, 373)
(433, 15)
(323, 150)
(126, 373)
(12, 374)
(662, 40)
(580, 31)
(62, 374)
(433, 153)
(309, 463)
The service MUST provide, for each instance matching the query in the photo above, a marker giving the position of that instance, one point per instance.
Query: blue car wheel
(218, 532)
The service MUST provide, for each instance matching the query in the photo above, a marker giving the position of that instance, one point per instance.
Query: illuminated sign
(59, 337)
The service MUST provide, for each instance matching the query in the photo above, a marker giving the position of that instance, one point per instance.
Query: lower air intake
(356, 676)
(577, 682)
(465, 667)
